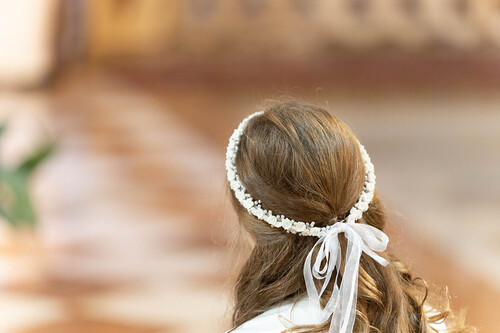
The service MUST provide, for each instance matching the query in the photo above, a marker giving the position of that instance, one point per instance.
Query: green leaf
(29, 164)
(2, 128)
(16, 206)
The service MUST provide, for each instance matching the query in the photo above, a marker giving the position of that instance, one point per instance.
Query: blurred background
(114, 215)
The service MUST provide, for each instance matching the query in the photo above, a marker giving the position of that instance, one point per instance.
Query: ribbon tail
(312, 293)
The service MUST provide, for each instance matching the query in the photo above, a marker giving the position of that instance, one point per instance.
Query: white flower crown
(254, 207)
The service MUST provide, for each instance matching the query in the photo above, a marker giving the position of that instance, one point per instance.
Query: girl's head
(303, 163)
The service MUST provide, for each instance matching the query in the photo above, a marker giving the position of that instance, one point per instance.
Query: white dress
(279, 318)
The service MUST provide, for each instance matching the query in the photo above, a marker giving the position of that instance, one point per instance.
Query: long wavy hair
(302, 162)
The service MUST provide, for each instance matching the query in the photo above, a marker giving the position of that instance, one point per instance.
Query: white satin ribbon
(342, 303)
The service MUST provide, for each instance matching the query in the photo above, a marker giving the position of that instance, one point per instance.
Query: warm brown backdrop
(135, 230)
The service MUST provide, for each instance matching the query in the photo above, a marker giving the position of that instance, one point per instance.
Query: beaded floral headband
(360, 238)
(279, 221)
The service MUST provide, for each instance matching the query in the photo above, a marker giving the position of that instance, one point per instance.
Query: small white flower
(240, 195)
(315, 231)
(287, 223)
(234, 185)
(370, 186)
(369, 197)
(300, 226)
(259, 213)
(355, 213)
(362, 206)
(272, 220)
(247, 203)
(371, 177)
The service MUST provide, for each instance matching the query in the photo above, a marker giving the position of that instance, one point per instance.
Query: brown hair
(302, 162)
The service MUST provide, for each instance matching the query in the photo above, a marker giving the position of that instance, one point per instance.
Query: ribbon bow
(342, 303)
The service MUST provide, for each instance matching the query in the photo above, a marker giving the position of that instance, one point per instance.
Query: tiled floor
(133, 233)
(118, 223)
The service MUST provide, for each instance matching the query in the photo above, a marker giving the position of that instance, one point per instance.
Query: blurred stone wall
(287, 28)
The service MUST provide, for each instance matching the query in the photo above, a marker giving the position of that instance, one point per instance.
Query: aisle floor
(135, 224)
